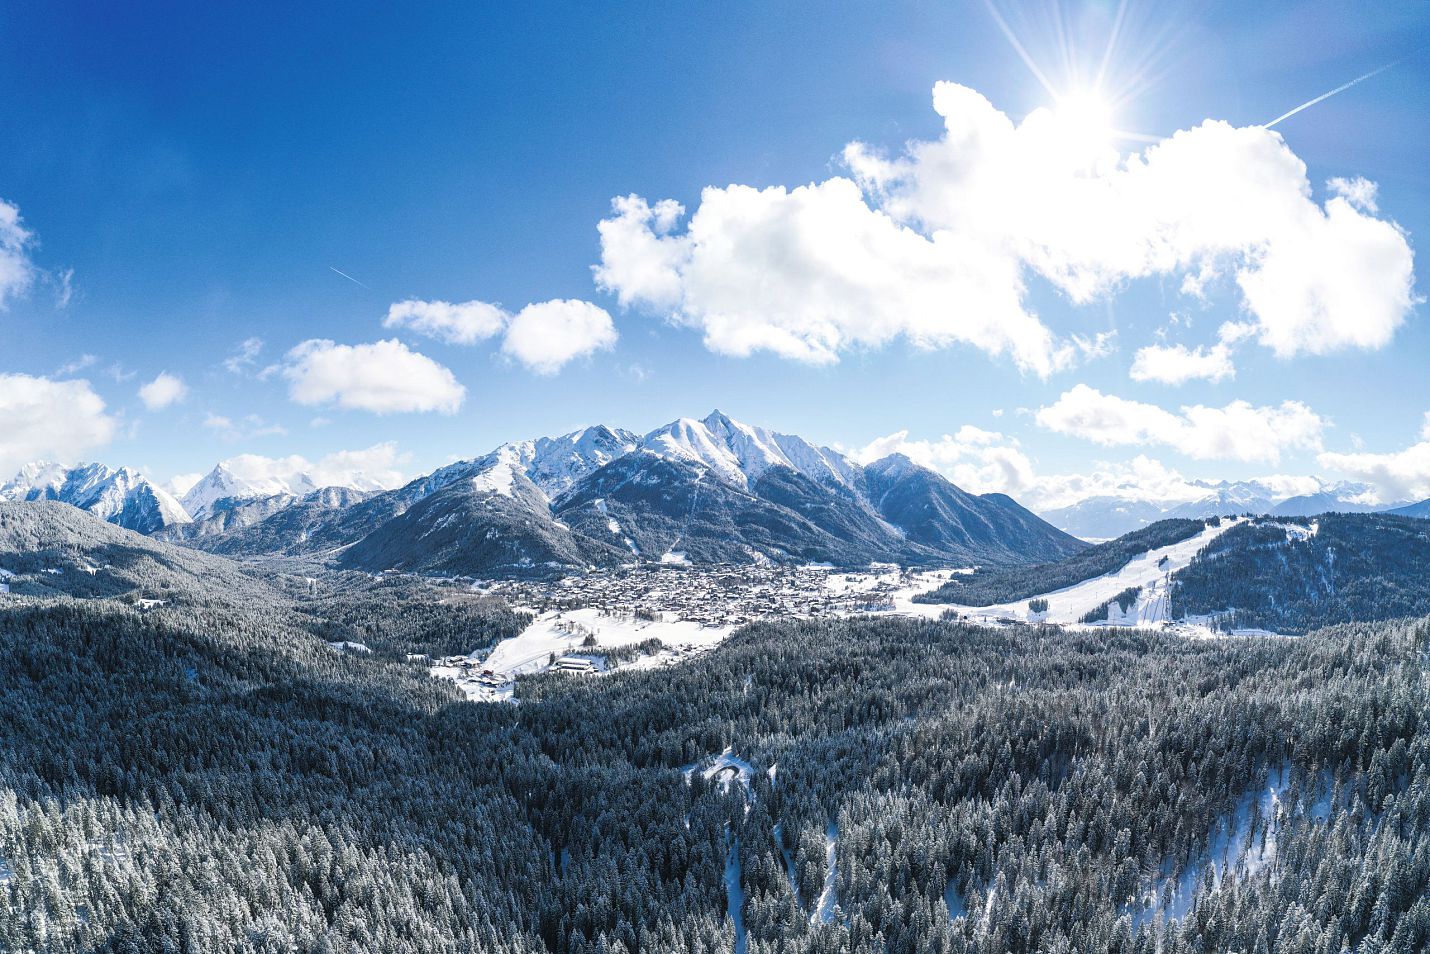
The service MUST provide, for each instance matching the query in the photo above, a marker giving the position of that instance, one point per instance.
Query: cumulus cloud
(16, 269)
(1395, 476)
(982, 461)
(545, 336)
(464, 323)
(977, 460)
(47, 419)
(379, 467)
(180, 484)
(375, 468)
(1177, 364)
(165, 390)
(383, 377)
(935, 244)
(811, 272)
(1238, 431)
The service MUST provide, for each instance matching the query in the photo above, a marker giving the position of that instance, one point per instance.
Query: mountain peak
(121, 496)
(894, 465)
(717, 418)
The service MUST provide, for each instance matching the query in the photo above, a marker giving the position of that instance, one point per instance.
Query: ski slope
(566, 632)
(1152, 571)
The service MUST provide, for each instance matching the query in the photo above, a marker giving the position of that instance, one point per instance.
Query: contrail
(1324, 96)
(349, 277)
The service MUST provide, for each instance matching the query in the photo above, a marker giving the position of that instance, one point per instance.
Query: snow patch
(561, 633)
(828, 904)
(347, 646)
(1152, 571)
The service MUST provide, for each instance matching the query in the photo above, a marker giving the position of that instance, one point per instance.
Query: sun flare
(1084, 119)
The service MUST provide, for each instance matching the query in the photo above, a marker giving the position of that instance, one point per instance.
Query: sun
(1083, 120)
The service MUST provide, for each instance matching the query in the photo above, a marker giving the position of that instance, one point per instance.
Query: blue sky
(190, 178)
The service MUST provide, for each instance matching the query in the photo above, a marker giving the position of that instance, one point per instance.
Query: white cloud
(244, 356)
(988, 462)
(937, 244)
(1099, 345)
(983, 461)
(165, 390)
(1359, 192)
(384, 377)
(76, 365)
(45, 419)
(180, 484)
(811, 272)
(16, 269)
(250, 427)
(545, 336)
(464, 323)
(1177, 364)
(1395, 476)
(1238, 431)
(979, 461)
(62, 282)
(374, 468)
(378, 467)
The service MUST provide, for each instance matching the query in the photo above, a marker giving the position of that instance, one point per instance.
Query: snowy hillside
(120, 496)
(247, 477)
(229, 480)
(1149, 573)
(553, 464)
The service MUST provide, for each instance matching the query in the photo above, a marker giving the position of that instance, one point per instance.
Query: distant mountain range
(711, 490)
(1421, 509)
(1103, 518)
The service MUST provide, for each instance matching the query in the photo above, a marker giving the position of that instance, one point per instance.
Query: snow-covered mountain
(222, 483)
(704, 490)
(120, 496)
(553, 464)
(740, 453)
(1105, 517)
(713, 490)
(245, 478)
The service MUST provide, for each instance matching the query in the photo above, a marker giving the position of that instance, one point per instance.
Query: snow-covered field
(567, 632)
(1152, 571)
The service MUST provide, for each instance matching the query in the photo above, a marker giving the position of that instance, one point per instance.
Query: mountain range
(1106, 517)
(119, 496)
(710, 490)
